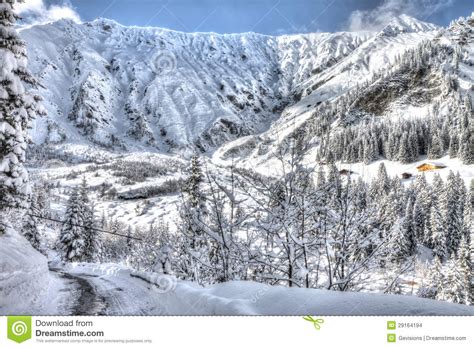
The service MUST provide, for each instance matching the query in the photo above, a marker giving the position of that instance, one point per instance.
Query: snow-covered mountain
(130, 88)
(405, 72)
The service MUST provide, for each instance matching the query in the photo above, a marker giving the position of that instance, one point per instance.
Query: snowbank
(128, 292)
(24, 275)
(250, 298)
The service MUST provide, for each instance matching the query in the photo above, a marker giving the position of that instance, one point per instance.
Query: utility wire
(71, 224)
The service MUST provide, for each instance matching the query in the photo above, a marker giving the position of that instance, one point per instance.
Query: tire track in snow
(87, 301)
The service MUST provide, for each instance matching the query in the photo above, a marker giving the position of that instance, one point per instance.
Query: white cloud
(39, 12)
(378, 17)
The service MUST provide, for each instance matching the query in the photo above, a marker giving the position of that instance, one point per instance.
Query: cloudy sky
(263, 16)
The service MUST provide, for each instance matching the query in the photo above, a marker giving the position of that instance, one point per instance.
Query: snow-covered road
(110, 290)
(83, 297)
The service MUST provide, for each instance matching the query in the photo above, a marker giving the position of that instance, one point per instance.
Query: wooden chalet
(429, 166)
(346, 172)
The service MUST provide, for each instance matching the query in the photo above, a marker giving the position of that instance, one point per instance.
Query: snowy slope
(128, 295)
(165, 89)
(149, 89)
(373, 88)
(25, 280)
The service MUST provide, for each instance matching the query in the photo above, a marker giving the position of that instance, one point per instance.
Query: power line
(75, 225)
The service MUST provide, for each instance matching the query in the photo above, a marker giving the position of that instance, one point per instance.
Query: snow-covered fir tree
(434, 282)
(451, 205)
(30, 225)
(92, 241)
(18, 107)
(438, 233)
(408, 228)
(418, 221)
(436, 147)
(192, 213)
(464, 260)
(381, 186)
(399, 246)
(453, 289)
(72, 241)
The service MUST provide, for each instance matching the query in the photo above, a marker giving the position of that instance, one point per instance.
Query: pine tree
(424, 201)
(434, 212)
(381, 185)
(452, 290)
(92, 244)
(468, 218)
(360, 194)
(435, 280)
(398, 247)
(17, 110)
(466, 149)
(30, 226)
(321, 185)
(334, 184)
(321, 179)
(402, 236)
(404, 154)
(72, 240)
(453, 146)
(464, 262)
(408, 228)
(451, 207)
(418, 222)
(438, 235)
(436, 148)
(463, 196)
(414, 145)
(192, 213)
(194, 181)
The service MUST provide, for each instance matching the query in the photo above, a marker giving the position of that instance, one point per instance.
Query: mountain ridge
(153, 89)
